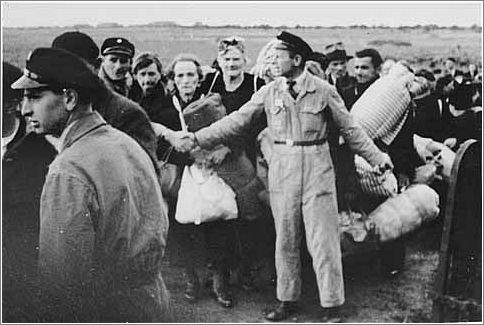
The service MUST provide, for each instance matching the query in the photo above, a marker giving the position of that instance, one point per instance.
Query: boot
(220, 290)
(283, 310)
(331, 315)
(192, 287)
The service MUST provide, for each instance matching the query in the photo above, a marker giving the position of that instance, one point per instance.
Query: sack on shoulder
(204, 197)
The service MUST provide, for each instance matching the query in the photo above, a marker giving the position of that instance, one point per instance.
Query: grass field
(417, 46)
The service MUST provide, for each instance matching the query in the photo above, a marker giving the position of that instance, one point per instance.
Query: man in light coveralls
(301, 176)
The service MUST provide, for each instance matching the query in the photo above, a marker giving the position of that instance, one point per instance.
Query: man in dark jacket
(25, 161)
(367, 69)
(337, 59)
(117, 110)
(117, 57)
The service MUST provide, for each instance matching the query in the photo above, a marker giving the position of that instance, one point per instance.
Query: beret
(79, 44)
(294, 43)
(54, 67)
(117, 45)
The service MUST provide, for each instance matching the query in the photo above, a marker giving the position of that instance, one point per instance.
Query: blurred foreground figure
(25, 161)
(103, 221)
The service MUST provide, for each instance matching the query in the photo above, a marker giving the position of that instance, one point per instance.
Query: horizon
(30, 14)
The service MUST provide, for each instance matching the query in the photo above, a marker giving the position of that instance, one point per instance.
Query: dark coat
(430, 120)
(24, 167)
(127, 116)
(353, 92)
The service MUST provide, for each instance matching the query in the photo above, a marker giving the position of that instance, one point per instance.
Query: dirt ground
(370, 297)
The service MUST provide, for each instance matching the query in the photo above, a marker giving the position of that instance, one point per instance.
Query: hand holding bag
(204, 197)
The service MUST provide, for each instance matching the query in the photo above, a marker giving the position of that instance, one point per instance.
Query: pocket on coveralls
(312, 118)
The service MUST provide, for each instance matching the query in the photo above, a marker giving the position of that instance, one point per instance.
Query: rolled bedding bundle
(383, 107)
(405, 212)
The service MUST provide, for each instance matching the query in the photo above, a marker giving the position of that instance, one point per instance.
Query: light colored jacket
(103, 228)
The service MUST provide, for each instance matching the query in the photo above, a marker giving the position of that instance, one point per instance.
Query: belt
(300, 143)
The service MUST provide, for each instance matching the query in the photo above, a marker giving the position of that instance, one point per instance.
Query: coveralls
(301, 177)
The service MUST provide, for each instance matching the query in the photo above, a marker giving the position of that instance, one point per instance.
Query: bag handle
(177, 105)
(255, 84)
(213, 82)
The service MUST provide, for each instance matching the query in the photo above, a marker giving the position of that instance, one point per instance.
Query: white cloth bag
(204, 197)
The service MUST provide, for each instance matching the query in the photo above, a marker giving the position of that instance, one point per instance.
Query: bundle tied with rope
(381, 111)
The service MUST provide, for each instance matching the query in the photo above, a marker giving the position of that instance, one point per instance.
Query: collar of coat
(79, 128)
(305, 83)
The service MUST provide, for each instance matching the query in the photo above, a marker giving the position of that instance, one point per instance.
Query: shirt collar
(79, 128)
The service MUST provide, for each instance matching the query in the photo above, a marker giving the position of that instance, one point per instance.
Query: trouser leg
(286, 209)
(320, 215)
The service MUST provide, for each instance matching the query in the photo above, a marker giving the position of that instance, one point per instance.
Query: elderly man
(117, 56)
(103, 221)
(301, 178)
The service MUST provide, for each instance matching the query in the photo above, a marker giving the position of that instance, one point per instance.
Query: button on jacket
(301, 178)
(103, 229)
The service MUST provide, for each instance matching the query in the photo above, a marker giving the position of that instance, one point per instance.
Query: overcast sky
(289, 13)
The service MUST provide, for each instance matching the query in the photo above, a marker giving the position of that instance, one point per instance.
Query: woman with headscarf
(186, 72)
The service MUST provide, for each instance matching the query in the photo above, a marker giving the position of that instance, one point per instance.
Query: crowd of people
(95, 145)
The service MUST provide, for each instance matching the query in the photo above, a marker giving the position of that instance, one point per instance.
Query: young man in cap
(301, 178)
(103, 221)
(25, 161)
(117, 110)
(337, 59)
(117, 56)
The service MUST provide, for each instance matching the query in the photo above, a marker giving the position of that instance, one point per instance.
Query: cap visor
(118, 51)
(25, 82)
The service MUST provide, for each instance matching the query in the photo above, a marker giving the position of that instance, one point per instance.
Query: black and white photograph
(241, 161)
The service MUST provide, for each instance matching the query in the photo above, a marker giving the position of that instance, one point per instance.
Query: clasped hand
(182, 141)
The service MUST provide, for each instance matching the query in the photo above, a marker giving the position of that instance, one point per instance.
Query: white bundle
(405, 212)
(382, 108)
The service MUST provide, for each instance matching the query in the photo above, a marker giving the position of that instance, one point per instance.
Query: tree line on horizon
(198, 25)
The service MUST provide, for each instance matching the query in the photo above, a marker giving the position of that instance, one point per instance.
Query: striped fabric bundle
(382, 108)
(374, 183)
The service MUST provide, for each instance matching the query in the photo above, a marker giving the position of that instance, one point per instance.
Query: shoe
(331, 315)
(284, 310)
(192, 287)
(220, 291)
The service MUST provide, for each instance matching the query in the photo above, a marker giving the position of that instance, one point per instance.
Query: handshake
(182, 141)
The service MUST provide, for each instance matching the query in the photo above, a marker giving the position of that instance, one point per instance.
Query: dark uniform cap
(53, 67)
(294, 43)
(117, 45)
(79, 44)
(320, 58)
(10, 74)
